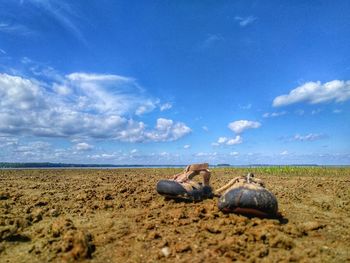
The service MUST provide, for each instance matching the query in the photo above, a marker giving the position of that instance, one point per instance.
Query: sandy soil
(117, 216)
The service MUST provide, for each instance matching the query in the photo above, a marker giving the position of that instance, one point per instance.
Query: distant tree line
(44, 165)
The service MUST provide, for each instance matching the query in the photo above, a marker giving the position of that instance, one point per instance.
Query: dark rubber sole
(174, 190)
(250, 202)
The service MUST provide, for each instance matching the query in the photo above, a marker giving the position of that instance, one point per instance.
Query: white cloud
(61, 90)
(210, 41)
(206, 154)
(245, 107)
(96, 107)
(187, 146)
(242, 125)
(222, 140)
(165, 106)
(205, 128)
(234, 153)
(6, 141)
(167, 130)
(108, 93)
(228, 141)
(236, 140)
(284, 152)
(104, 156)
(245, 21)
(308, 137)
(16, 29)
(147, 106)
(274, 114)
(83, 146)
(133, 151)
(316, 92)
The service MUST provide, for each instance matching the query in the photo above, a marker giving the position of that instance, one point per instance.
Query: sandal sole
(241, 200)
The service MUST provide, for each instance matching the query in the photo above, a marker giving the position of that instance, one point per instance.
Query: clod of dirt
(37, 215)
(60, 226)
(41, 203)
(77, 245)
(4, 195)
(54, 213)
(180, 248)
(312, 225)
(7, 231)
(108, 197)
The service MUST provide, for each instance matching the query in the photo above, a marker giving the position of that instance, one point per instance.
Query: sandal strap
(248, 179)
(193, 170)
(197, 167)
(190, 185)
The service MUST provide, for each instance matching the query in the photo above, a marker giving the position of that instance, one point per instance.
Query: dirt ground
(117, 216)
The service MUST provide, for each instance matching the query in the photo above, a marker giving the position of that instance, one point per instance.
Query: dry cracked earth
(116, 216)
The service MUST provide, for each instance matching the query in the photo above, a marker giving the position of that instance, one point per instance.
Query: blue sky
(175, 82)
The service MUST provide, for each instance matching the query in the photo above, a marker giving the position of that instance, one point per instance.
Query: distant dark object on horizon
(223, 165)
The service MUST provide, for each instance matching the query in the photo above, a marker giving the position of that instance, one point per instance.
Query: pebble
(165, 251)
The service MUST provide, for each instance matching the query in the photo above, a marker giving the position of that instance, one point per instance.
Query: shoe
(183, 187)
(248, 196)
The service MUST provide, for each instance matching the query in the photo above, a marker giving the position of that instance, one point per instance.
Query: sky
(175, 82)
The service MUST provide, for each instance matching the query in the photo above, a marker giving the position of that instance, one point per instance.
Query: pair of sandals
(245, 195)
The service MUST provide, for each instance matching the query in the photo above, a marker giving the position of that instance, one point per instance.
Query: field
(117, 216)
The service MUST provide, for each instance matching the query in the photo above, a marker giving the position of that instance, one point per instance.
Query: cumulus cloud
(86, 105)
(242, 125)
(236, 140)
(167, 130)
(222, 140)
(316, 92)
(6, 141)
(14, 150)
(238, 127)
(83, 146)
(228, 141)
(187, 146)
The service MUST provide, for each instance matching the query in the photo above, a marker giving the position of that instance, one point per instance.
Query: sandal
(248, 196)
(183, 187)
